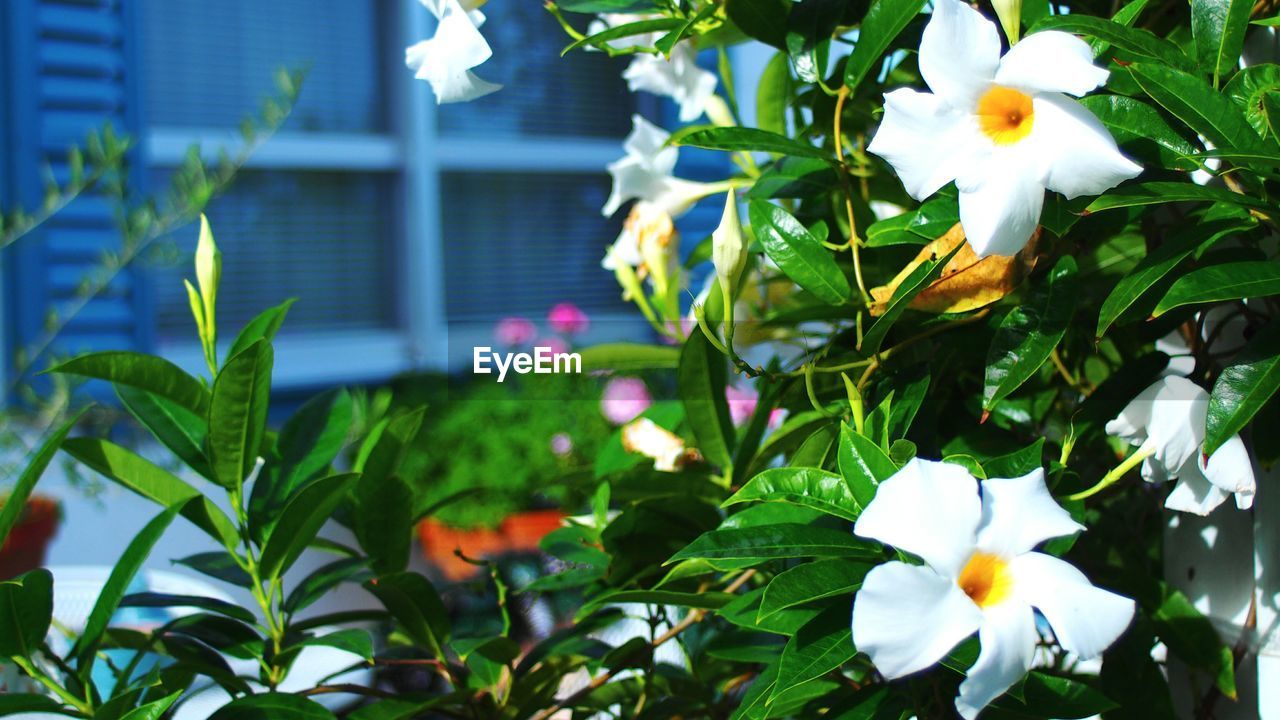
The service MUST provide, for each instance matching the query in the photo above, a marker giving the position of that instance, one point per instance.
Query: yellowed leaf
(967, 282)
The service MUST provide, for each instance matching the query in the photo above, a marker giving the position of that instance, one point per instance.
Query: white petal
(648, 143)
(1176, 427)
(1019, 513)
(927, 143)
(445, 61)
(927, 508)
(959, 53)
(679, 78)
(1230, 469)
(1000, 203)
(1051, 61)
(1131, 424)
(1084, 618)
(1194, 494)
(1008, 637)
(1076, 153)
(908, 617)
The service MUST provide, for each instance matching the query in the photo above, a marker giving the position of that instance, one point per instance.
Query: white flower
(645, 173)
(1167, 422)
(1000, 127)
(679, 78)
(447, 58)
(980, 574)
(647, 243)
(665, 448)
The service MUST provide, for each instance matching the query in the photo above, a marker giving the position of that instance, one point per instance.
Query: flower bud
(1010, 14)
(729, 247)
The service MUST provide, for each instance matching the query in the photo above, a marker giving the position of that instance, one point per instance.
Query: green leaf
(262, 327)
(18, 703)
(1245, 385)
(749, 140)
(26, 610)
(1017, 463)
(626, 30)
(238, 413)
(272, 706)
(1159, 262)
(773, 95)
(1138, 42)
(1218, 27)
(1159, 193)
(321, 581)
(1191, 637)
(1043, 695)
(307, 446)
(627, 357)
(1029, 333)
(768, 542)
(863, 464)
(812, 581)
(352, 640)
(118, 582)
(1251, 89)
(161, 600)
(413, 601)
(793, 177)
(916, 227)
(219, 566)
(884, 21)
(1141, 130)
(152, 710)
(701, 381)
(919, 279)
(177, 428)
(823, 644)
(764, 20)
(798, 253)
(144, 372)
(1216, 283)
(808, 487)
(384, 510)
(15, 500)
(303, 517)
(136, 473)
(1192, 101)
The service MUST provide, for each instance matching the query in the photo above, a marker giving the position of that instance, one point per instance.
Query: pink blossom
(568, 319)
(561, 444)
(742, 403)
(514, 331)
(624, 399)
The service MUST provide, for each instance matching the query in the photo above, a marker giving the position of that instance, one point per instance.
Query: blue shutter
(70, 69)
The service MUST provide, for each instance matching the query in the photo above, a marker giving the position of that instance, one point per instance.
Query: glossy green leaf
(701, 380)
(136, 473)
(1160, 193)
(238, 413)
(13, 703)
(932, 219)
(303, 517)
(322, 580)
(177, 428)
(823, 644)
(1042, 695)
(793, 177)
(214, 605)
(1029, 333)
(144, 372)
(413, 601)
(1244, 387)
(152, 710)
(798, 253)
(764, 20)
(863, 464)
(15, 500)
(884, 20)
(768, 542)
(26, 610)
(1192, 638)
(384, 502)
(264, 326)
(1192, 101)
(219, 566)
(1216, 283)
(812, 581)
(1250, 89)
(1150, 270)
(1141, 43)
(773, 95)
(1218, 27)
(625, 31)
(117, 585)
(1141, 130)
(805, 486)
(272, 706)
(749, 140)
(919, 279)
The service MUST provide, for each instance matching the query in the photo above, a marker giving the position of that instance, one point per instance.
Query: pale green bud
(1010, 14)
(729, 246)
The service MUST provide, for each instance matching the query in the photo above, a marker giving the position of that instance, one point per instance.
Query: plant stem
(1116, 473)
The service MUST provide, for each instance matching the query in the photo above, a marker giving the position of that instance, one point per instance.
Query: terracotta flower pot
(518, 533)
(24, 549)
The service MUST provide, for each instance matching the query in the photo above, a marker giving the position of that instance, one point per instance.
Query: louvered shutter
(69, 70)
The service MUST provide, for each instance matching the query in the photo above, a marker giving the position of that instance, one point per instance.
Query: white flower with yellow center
(445, 61)
(1000, 127)
(1167, 423)
(980, 574)
(645, 173)
(678, 78)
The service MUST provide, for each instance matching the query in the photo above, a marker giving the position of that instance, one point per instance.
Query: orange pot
(518, 533)
(24, 549)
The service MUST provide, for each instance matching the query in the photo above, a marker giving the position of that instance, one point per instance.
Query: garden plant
(1000, 281)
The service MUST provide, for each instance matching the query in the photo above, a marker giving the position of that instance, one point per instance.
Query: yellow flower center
(1005, 115)
(986, 579)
